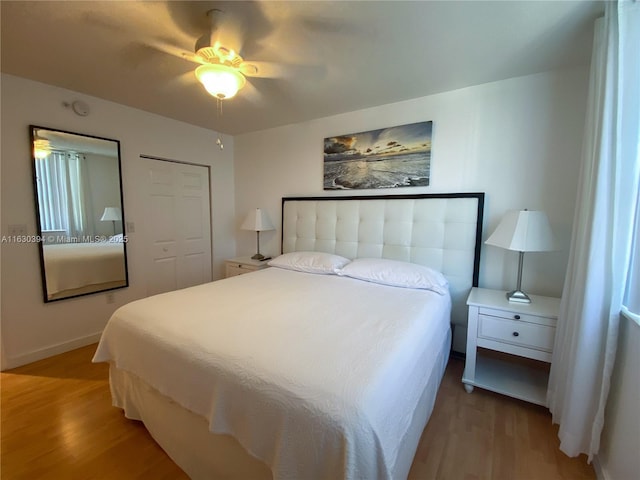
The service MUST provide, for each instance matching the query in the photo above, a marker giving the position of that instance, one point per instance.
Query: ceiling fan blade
(193, 58)
(252, 94)
(248, 69)
(174, 51)
(187, 79)
(282, 70)
(329, 26)
(265, 70)
(135, 54)
(95, 19)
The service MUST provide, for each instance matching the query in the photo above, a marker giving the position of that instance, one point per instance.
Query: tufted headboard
(442, 231)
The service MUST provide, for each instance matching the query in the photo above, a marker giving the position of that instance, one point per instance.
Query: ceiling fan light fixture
(41, 148)
(220, 81)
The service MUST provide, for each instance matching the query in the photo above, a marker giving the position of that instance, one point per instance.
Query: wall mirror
(78, 189)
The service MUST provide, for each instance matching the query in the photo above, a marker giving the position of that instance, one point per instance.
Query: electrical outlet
(111, 297)
(131, 227)
(17, 230)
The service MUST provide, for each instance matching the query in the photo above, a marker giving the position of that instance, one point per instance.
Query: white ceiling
(330, 56)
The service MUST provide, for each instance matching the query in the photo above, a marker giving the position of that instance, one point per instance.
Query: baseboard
(601, 473)
(458, 355)
(34, 356)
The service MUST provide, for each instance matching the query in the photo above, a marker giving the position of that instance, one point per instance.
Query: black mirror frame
(32, 138)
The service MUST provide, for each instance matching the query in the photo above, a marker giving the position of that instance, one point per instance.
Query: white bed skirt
(203, 455)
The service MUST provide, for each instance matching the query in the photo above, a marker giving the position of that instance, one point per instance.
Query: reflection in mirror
(80, 217)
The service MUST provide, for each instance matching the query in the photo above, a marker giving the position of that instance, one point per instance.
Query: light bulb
(220, 81)
(41, 148)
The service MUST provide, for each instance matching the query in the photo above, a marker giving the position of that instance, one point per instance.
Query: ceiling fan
(222, 70)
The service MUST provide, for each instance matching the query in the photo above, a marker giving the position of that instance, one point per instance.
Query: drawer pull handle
(516, 334)
(517, 317)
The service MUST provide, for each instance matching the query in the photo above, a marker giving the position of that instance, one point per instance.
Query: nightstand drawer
(522, 317)
(234, 269)
(517, 332)
(242, 265)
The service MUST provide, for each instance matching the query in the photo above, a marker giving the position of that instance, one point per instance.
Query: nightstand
(240, 265)
(522, 330)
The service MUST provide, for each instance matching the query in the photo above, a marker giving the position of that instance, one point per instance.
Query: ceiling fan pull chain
(219, 118)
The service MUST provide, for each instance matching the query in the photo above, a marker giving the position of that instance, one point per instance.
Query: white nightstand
(240, 265)
(525, 330)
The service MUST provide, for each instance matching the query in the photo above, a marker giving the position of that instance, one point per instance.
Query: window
(61, 203)
(631, 300)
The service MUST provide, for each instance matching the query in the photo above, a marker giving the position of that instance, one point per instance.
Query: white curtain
(78, 208)
(51, 173)
(632, 296)
(603, 227)
(61, 195)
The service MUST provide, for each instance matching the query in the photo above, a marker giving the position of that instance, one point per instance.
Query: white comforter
(316, 375)
(76, 265)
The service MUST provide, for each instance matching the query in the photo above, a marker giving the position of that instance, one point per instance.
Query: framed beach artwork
(385, 158)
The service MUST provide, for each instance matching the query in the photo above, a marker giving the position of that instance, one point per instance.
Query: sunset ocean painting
(385, 158)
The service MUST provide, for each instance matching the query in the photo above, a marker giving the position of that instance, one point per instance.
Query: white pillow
(396, 274)
(310, 262)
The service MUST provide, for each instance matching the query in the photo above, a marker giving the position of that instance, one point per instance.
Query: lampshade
(221, 81)
(258, 221)
(523, 231)
(111, 213)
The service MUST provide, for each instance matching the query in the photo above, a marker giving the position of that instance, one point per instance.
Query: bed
(318, 367)
(73, 268)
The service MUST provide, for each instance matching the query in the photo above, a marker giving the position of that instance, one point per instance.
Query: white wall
(32, 329)
(102, 179)
(618, 458)
(517, 140)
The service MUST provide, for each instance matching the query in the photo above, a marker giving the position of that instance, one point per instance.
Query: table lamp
(113, 214)
(258, 221)
(522, 231)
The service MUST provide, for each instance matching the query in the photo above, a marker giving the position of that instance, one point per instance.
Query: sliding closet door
(178, 225)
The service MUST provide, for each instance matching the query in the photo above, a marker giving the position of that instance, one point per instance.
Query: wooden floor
(57, 422)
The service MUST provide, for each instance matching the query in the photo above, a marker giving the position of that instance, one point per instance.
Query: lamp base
(518, 296)
(258, 256)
